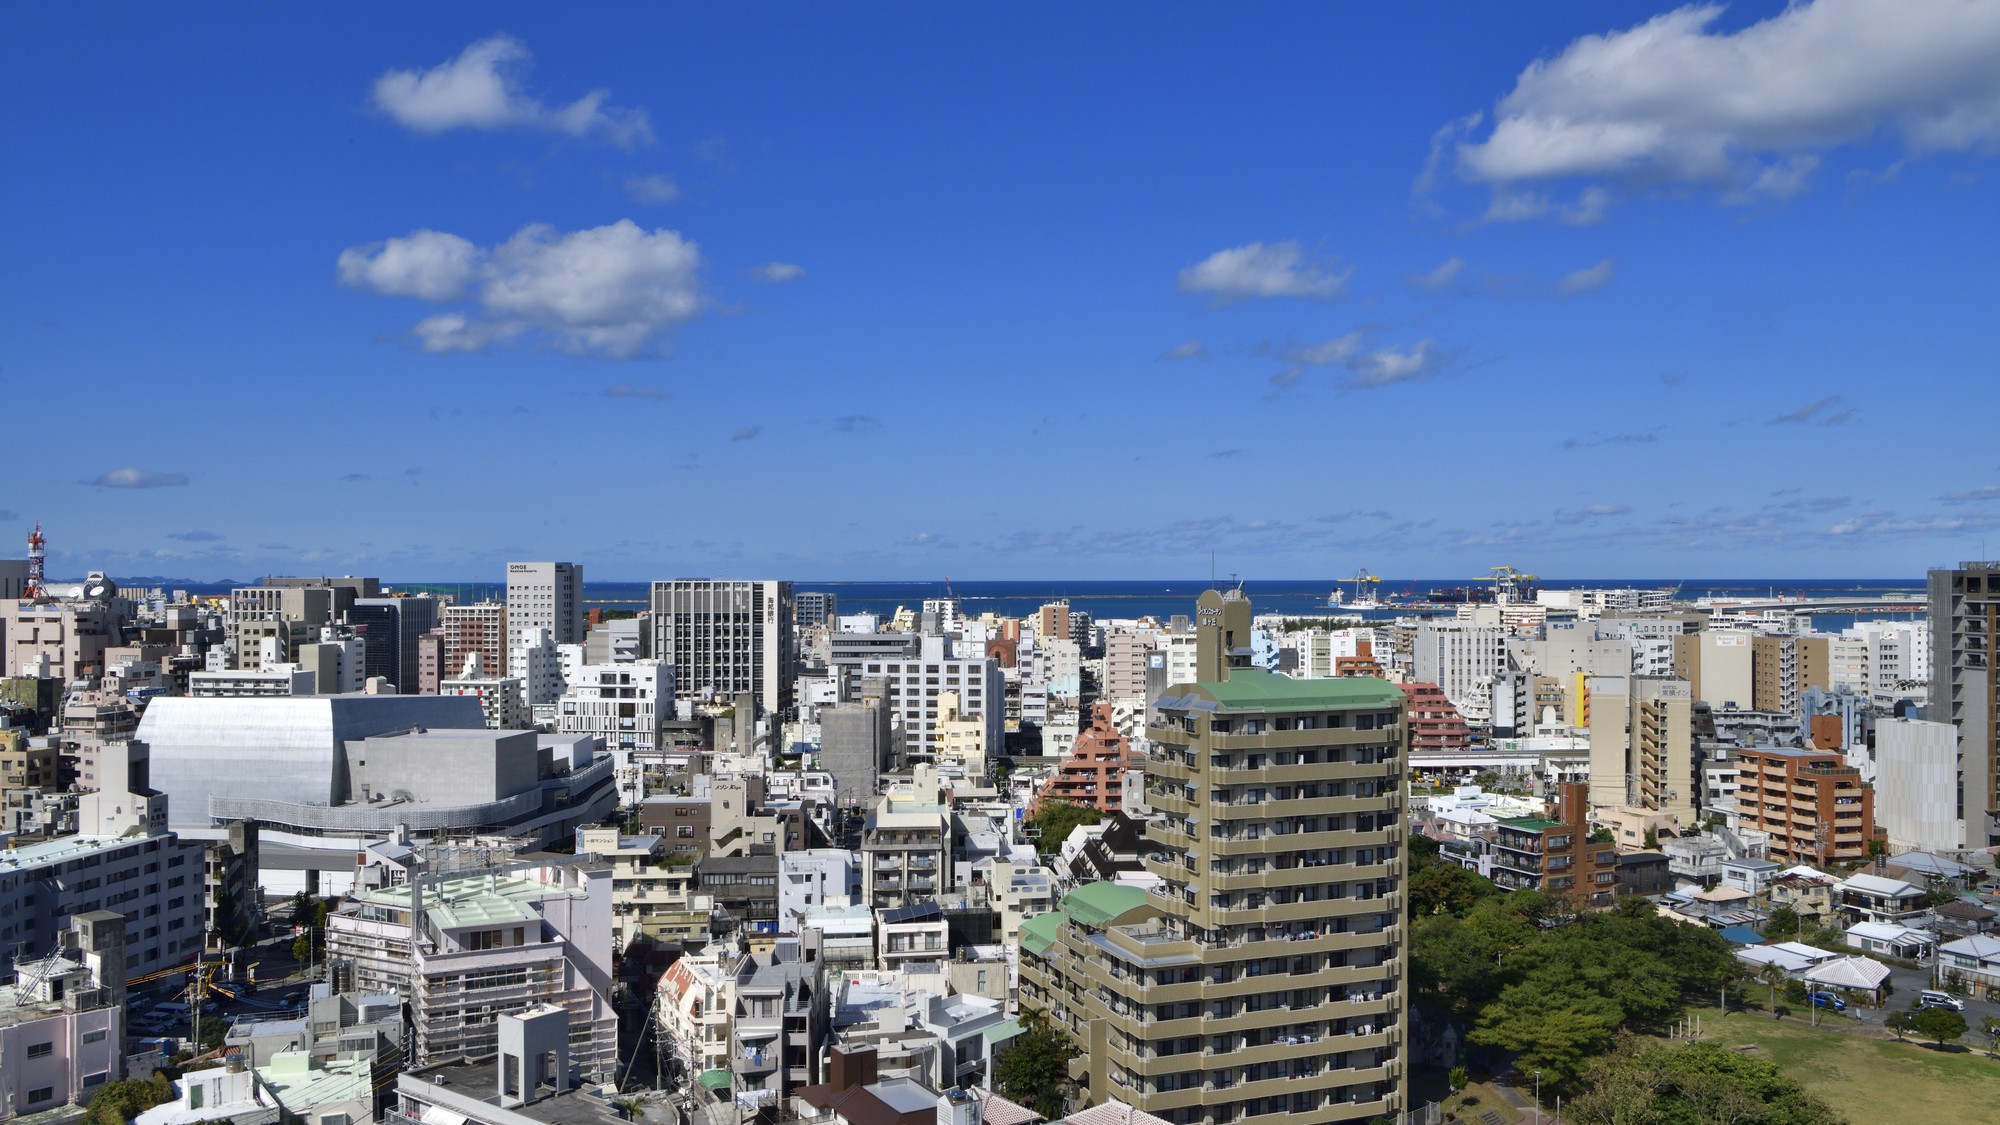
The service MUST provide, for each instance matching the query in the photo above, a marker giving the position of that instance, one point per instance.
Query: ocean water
(1161, 599)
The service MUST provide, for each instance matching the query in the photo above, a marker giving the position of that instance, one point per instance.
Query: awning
(714, 1079)
(439, 1115)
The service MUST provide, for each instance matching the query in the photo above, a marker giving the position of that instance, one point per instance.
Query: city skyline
(1660, 289)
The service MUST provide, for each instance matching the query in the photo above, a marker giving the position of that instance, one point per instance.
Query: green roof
(1003, 1031)
(1097, 904)
(1532, 823)
(714, 1079)
(1039, 932)
(1249, 689)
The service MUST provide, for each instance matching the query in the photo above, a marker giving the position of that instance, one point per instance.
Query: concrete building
(691, 1011)
(62, 1025)
(537, 663)
(813, 609)
(780, 1023)
(1642, 744)
(814, 877)
(337, 661)
(153, 880)
(638, 885)
(323, 775)
(1280, 850)
(534, 1076)
(727, 638)
(279, 679)
(503, 700)
(1965, 688)
(856, 747)
(1916, 784)
(70, 634)
(1718, 666)
(1435, 725)
(468, 946)
(912, 687)
(905, 844)
(1783, 668)
(1462, 658)
(547, 596)
(627, 707)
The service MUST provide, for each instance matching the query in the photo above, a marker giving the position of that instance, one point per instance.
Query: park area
(1868, 1079)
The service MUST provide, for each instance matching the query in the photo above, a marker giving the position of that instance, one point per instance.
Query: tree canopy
(1035, 1066)
(1057, 819)
(1693, 1082)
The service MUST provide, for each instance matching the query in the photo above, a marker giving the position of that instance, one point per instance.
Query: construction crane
(1507, 583)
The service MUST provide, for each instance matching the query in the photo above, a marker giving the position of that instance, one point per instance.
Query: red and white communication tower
(37, 590)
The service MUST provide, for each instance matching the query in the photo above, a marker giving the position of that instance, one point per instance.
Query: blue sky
(1029, 291)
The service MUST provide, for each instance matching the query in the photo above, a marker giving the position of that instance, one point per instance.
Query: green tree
(1599, 835)
(1774, 975)
(118, 1102)
(1652, 840)
(1446, 888)
(1035, 1065)
(1457, 1079)
(1694, 1082)
(1423, 851)
(1784, 922)
(1900, 1022)
(1990, 1028)
(302, 948)
(1938, 1024)
(1553, 1031)
(1057, 819)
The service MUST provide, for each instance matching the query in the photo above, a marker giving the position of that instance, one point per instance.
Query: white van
(171, 1008)
(1930, 998)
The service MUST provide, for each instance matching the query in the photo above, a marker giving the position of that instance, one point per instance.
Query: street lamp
(1538, 1096)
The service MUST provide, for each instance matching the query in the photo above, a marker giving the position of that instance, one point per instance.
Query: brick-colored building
(1815, 806)
(1554, 855)
(1092, 774)
(1435, 725)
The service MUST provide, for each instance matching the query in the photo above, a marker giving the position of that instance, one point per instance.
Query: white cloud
(138, 478)
(777, 272)
(1258, 270)
(655, 190)
(1748, 111)
(1193, 349)
(428, 264)
(611, 290)
(1367, 369)
(480, 89)
(1585, 279)
(1440, 278)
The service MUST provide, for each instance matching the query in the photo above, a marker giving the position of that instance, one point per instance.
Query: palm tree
(1774, 975)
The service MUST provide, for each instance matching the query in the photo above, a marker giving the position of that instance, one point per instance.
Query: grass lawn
(1866, 1079)
(1484, 1098)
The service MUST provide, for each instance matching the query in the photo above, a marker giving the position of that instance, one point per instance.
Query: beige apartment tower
(1266, 974)
(1642, 744)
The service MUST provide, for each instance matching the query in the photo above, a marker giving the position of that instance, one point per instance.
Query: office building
(1279, 847)
(537, 663)
(855, 747)
(1462, 658)
(627, 708)
(1916, 784)
(543, 595)
(815, 608)
(727, 638)
(503, 700)
(1965, 688)
(913, 687)
(389, 628)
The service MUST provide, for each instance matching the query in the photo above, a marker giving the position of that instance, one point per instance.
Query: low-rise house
(1891, 940)
(1748, 874)
(1873, 898)
(1974, 961)
(1644, 873)
(528, 1081)
(1793, 957)
(1962, 916)
(1807, 892)
(692, 1012)
(294, 1086)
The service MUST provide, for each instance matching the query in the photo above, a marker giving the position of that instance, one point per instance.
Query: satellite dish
(98, 588)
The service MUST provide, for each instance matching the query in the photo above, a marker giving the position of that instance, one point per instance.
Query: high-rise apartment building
(1815, 806)
(543, 595)
(1965, 687)
(1273, 981)
(727, 638)
(478, 628)
(1642, 743)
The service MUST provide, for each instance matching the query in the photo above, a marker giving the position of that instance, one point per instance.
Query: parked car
(1932, 999)
(1828, 1000)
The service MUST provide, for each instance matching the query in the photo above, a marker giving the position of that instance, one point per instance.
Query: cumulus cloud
(613, 290)
(746, 433)
(1824, 412)
(635, 390)
(1975, 496)
(1279, 269)
(1677, 101)
(194, 536)
(481, 89)
(427, 264)
(1367, 368)
(1193, 349)
(139, 478)
(1442, 277)
(1590, 512)
(776, 272)
(1585, 279)
(654, 190)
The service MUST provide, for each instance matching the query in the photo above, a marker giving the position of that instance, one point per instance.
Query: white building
(815, 877)
(62, 1022)
(914, 685)
(502, 699)
(1916, 784)
(727, 638)
(535, 661)
(1462, 658)
(627, 706)
(546, 596)
(278, 679)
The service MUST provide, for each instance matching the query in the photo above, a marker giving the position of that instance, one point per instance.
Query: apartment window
(45, 1094)
(40, 1050)
(94, 1036)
